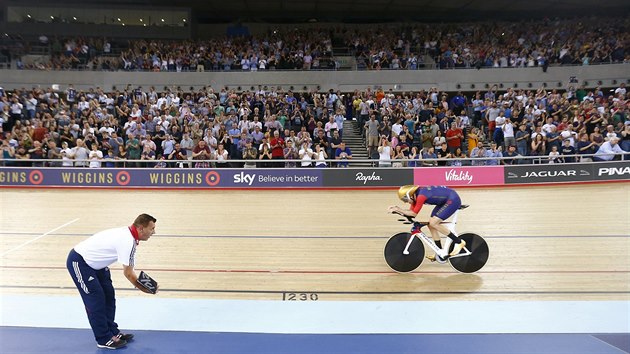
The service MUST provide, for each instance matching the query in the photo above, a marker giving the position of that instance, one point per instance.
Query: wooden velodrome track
(564, 242)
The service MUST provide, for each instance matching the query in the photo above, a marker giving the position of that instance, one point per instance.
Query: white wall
(401, 80)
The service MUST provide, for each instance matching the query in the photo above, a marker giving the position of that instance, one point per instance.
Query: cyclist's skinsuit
(446, 201)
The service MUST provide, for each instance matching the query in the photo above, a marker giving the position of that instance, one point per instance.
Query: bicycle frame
(428, 240)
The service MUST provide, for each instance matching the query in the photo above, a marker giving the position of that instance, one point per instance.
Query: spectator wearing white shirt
(96, 156)
(608, 150)
(508, 133)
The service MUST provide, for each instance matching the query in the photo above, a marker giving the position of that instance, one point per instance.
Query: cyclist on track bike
(446, 202)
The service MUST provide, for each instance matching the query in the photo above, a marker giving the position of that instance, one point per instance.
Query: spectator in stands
(22, 154)
(554, 155)
(66, 155)
(250, 154)
(414, 158)
(306, 154)
(586, 147)
(37, 153)
(80, 154)
(372, 131)
(438, 142)
(95, 156)
(320, 156)
(494, 152)
(201, 153)
(176, 156)
(343, 154)
(398, 157)
(385, 153)
(222, 156)
(625, 137)
(567, 150)
(454, 138)
(429, 158)
(265, 156)
(522, 140)
(290, 153)
(8, 153)
(609, 151)
(277, 148)
(596, 136)
(187, 145)
(511, 156)
(508, 133)
(538, 146)
(147, 155)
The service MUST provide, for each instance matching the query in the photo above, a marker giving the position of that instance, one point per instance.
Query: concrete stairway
(353, 139)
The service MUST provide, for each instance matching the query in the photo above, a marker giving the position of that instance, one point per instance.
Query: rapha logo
(244, 178)
(453, 175)
(363, 178)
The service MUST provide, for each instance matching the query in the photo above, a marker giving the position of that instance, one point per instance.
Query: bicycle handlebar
(409, 220)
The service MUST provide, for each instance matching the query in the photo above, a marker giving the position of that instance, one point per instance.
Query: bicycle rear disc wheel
(478, 257)
(398, 261)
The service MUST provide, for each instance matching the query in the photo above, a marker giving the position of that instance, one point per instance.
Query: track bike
(404, 251)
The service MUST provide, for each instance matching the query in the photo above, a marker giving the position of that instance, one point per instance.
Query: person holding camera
(343, 154)
(385, 153)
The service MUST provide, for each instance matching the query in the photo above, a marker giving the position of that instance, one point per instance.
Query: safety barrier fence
(353, 177)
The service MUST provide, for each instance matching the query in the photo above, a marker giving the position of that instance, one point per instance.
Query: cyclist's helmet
(407, 193)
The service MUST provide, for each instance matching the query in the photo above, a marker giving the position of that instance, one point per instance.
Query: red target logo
(123, 178)
(213, 178)
(36, 177)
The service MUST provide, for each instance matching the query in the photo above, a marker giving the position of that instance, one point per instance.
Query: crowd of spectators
(269, 127)
(404, 46)
(144, 128)
(492, 127)
(506, 44)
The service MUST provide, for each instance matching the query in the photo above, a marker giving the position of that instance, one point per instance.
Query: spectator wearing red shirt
(454, 138)
(277, 148)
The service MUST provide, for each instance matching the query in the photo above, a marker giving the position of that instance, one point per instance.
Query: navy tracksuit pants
(97, 292)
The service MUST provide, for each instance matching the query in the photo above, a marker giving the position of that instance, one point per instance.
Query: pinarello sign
(459, 176)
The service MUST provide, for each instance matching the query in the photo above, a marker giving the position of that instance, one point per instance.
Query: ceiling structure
(295, 11)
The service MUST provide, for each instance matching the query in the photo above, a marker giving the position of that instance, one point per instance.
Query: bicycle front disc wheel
(399, 261)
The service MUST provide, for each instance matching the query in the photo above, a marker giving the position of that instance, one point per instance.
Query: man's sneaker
(128, 337)
(113, 344)
(458, 247)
